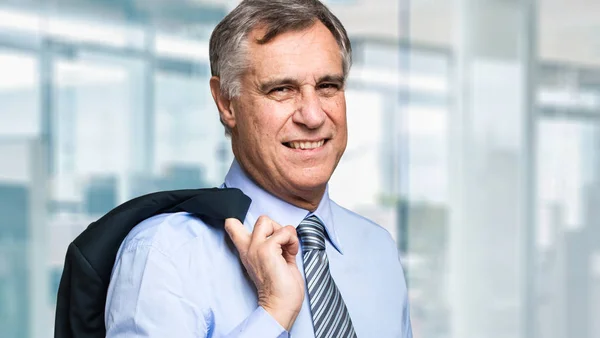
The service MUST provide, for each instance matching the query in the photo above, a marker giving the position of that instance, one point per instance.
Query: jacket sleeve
(62, 326)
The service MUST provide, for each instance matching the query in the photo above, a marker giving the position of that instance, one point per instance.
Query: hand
(269, 256)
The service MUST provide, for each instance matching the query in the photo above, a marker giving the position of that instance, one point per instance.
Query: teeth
(306, 145)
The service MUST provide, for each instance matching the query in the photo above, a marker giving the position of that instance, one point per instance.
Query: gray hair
(228, 44)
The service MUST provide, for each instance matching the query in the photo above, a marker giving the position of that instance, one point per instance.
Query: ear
(223, 103)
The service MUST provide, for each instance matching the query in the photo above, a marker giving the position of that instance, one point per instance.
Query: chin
(309, 185)
(312, 179)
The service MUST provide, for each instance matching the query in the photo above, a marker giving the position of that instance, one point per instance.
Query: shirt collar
(264, 203)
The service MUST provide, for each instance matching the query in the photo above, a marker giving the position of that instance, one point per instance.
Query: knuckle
(288, 231)
(263, 219)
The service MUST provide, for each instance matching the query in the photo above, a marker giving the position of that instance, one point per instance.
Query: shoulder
(165, 233)
(360, 225)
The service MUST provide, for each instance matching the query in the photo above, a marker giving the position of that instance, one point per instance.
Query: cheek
(336, 109)
(338, 116)
(270, 119)
(250, 118)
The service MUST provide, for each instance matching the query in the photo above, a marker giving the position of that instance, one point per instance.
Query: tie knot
(312, 233)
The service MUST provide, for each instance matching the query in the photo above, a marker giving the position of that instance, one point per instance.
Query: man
(300, 265)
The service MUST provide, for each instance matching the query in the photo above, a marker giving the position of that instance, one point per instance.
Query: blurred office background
(474, 139)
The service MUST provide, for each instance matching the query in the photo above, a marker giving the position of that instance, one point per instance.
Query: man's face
(290, 119)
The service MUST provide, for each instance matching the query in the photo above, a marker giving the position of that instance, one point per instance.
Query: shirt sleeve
(259, 324)
(145, 298)
(406, 321)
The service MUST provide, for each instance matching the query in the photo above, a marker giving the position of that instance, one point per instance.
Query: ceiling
(568, 30)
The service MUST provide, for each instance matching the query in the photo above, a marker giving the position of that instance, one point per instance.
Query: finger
(286, 238)
(263, 228)
(239, 235)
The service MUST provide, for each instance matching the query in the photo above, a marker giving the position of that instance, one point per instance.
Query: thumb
(238, 234)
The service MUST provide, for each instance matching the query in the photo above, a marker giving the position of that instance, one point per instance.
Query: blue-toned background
(474, 139)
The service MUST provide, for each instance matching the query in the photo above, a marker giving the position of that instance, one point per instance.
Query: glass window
(189, 133)
(19, 94)
(476, 124)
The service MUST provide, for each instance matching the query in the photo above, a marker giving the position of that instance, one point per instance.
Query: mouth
(305, 145)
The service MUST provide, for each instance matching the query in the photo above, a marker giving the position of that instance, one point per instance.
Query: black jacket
(91, 256)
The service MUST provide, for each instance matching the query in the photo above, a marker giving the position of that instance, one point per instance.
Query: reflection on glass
(189, 134)
(447, 133)
(19, 124)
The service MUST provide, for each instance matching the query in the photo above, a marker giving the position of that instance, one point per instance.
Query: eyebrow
(269, 84)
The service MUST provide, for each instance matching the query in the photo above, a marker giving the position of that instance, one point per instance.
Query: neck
(310, 203)
(307, 199)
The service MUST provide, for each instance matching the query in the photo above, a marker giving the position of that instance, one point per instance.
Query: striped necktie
(329, 313)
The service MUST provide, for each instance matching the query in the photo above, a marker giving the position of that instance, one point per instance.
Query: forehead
(295, 53)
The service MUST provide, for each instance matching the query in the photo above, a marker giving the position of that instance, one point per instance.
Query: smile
(305, 145)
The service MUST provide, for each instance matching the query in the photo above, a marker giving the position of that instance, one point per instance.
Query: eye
(328, 86)
(280, 90)
(281, 93)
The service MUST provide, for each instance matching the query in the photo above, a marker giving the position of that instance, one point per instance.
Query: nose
(309, 111)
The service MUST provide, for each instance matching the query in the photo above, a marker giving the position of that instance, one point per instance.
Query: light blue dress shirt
(176, 277)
